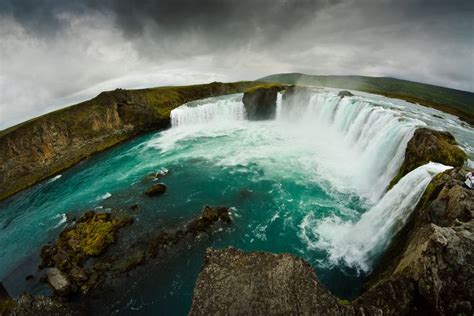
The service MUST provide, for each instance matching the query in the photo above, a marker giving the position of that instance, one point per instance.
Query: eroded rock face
(428, 145)
(429, 266)
(260, 103)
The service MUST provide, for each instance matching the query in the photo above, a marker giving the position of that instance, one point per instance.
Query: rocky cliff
(39, 148)
(428, 270)
(428, 145)
(260, 101)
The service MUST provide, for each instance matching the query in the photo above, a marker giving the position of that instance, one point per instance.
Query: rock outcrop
(428, 145)
(429, 266)
(156, 189)
(260, 102)
(427, 270)
(345, 93)
(89, 237)
(42, 147)
(233, 282)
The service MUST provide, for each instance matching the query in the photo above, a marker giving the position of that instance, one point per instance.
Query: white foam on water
(356, 244)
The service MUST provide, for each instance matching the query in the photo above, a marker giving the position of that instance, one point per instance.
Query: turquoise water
(281, 179)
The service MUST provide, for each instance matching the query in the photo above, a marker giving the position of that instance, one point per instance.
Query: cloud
(53, 53)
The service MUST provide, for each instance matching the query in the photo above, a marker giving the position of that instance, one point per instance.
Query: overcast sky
(57, 52)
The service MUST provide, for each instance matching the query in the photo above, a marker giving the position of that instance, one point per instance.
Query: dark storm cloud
(57, 51)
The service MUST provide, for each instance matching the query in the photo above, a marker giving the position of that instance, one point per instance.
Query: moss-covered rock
(428, 145)
(89, 237)
(260, 101)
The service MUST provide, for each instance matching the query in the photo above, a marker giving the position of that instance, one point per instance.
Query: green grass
(457, 102)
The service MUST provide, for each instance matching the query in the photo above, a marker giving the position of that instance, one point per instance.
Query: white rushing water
(355, 244)
(209, 110)
(351, 145)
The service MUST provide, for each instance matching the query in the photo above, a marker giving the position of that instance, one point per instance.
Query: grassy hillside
(457, 102)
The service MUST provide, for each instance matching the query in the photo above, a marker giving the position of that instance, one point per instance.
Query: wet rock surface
(156, 189)
(428, 145)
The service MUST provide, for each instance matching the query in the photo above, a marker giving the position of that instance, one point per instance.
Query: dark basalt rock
(428, 145)
(260, 102)
(156, 189)
(202, 224)
(345, 93)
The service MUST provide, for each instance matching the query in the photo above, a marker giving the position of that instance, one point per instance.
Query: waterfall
(209, 110)
(356, 244)
(375, 137)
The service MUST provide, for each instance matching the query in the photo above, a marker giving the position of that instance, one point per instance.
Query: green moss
(264, 86)
(428, 145)
(7, 306)
(343, 302)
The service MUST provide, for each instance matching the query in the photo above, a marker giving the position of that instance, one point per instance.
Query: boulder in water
(345, 93)
(156, 189)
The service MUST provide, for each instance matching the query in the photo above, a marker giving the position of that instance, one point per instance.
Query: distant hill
(457, 102)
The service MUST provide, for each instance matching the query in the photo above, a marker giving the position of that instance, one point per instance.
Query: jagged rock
(429, 266)
(428, 145)
(59, 282)
(345, 93)
(156, 189)
(260, 102)
(232, 282)
(427, 270)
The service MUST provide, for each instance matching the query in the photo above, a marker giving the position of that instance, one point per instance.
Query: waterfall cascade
(209, 110)
(356, 244)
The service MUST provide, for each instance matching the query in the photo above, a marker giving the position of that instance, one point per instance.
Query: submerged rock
(428, 145)
(260, 102)
(345, 93)
(209, 216)
(156, 189)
